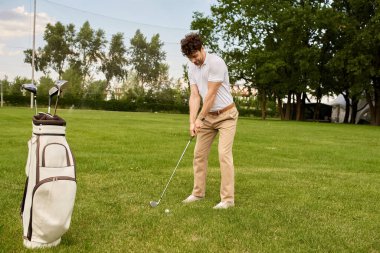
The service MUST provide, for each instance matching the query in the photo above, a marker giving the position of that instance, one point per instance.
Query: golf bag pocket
(51, 210)
(56, 160)
(55, 155)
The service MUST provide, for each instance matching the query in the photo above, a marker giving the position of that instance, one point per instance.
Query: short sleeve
(216, 71)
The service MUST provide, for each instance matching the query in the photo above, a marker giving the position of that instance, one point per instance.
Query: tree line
(91, 64)
(291, 50)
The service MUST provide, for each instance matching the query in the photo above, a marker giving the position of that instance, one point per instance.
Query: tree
(6, 84)
(89, 49)
(147, 59)
(74, 88)
(45, 83)
(115, 61)
(96, 90)
(57, 52)
(267, 44)
(15, 88)
(357, 61)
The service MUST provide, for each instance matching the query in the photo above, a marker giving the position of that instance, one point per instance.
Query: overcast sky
(170, 18)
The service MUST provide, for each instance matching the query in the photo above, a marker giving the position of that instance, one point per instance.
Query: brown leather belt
(222, 110)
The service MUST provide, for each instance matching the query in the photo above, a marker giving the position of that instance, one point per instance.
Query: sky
(170, 18)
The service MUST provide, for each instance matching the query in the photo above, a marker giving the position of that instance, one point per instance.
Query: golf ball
(167, 211)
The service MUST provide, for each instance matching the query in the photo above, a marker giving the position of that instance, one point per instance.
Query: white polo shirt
(214, 69)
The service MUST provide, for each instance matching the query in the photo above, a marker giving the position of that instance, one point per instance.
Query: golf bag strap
(23, 198)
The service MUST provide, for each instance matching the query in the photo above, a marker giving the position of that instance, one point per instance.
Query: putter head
(29, 87)
(153, 203)
(53, 91)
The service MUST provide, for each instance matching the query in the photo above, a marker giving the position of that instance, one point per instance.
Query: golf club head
(53, 91)
(60, 83)
(29, 87)
(153, 203)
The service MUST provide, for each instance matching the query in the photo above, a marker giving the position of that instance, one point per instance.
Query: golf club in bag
(50, 187)
(33, 89)
(52, 92)
(58, 85)
(156, 203)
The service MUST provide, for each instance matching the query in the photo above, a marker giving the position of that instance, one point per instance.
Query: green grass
(300, 187)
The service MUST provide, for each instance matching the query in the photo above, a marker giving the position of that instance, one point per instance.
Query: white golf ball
(167, 211)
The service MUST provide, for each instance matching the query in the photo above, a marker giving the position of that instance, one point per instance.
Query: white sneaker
(191, 199)
(224, 205)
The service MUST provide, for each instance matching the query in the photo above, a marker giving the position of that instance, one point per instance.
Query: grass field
(300, 187)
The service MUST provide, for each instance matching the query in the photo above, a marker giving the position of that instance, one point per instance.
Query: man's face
(197, 57)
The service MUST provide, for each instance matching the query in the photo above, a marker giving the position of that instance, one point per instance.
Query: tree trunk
(304, 96)
(263, 105)
(371, 106)
(288, 107)
(299, 105)
(376, 88)
(279, 108)
(354, 109)
(317, 109)
(347, 115)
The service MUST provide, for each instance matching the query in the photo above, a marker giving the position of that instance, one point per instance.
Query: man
(208, 76)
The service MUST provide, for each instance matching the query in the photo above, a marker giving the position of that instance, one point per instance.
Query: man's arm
(209, 99)
(207, 104)
(194, 104)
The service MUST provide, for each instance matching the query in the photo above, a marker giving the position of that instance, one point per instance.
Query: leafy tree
(45, 83)
(40, 60)
(57, 52)
(15, 88)
(115, 61)
(147, 58)
(89, 49)
(289, 49)
(74, 88)
(251, 37)
(96, 90)
(6, 84)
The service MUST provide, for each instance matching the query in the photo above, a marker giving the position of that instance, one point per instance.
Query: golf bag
(50, 187)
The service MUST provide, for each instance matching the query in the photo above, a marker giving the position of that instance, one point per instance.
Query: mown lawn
(300, 187)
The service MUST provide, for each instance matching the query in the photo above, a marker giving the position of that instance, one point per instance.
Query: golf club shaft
(49, 104)
(56, 103)
(35, 104)
(180, 159)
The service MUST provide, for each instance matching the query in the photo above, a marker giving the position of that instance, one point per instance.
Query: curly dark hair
(191, 43)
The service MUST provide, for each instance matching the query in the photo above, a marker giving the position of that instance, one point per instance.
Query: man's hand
(192, 129)
(195, 127)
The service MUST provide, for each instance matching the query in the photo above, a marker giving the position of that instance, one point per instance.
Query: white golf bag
(50, 186)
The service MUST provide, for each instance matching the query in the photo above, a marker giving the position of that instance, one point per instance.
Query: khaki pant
(225, 124)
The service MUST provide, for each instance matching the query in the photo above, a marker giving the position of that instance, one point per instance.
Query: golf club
(33, 89)
(156, 203)
(58, 85)
(52, 92)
